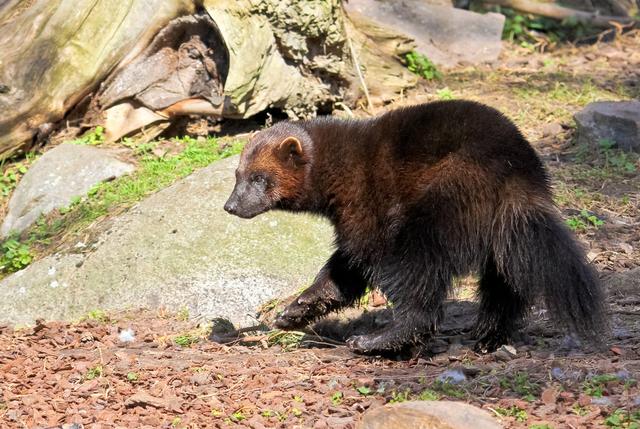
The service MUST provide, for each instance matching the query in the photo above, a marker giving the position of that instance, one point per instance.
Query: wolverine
(419, 196)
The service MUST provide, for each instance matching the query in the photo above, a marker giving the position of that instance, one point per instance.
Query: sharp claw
(355, 344)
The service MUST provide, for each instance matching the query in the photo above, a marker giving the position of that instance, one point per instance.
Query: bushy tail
(539, 257)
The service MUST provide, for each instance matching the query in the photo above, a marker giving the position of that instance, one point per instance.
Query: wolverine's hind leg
(502, 309)
(337, 285)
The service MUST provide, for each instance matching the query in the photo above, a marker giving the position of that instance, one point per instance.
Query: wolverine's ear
(290, 149)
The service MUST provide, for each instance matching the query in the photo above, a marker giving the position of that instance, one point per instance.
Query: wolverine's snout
(231, 206)
(246, 201)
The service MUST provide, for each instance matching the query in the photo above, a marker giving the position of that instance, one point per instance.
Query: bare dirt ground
(172, 376)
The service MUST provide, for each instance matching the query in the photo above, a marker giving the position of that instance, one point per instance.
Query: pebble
(605, 401)
(505, 353)
(551, 129)
(127, 335)
(454, 376)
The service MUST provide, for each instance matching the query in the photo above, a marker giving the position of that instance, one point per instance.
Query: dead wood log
(132, 64)
(551, 10)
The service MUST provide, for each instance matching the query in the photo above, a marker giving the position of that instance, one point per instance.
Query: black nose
(231, 207)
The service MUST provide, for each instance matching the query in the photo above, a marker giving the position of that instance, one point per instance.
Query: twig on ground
(356, 64)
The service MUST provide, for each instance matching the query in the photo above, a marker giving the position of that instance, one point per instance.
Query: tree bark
(132, 64)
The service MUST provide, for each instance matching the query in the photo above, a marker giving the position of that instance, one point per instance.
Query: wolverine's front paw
(390, 340)
(295, 316)
(363, 343)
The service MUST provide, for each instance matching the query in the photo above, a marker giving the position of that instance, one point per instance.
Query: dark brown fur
(419, 196)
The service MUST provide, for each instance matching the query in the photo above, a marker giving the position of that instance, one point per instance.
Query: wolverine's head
(272, 171)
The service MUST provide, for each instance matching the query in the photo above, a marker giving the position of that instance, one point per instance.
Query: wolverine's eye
(259, 180)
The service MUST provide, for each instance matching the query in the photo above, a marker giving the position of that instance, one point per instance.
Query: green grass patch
(526, 29)
(237, 416)
(92, 137)
(596, 386)
(94, 372)
(584, 221)
(522, 385)
(186, 340)
(565, 93)
(445, 94)
(623, 419)
(422, 66)
(568, 195)
(96, 315)
(336, 398)
(288, 340)
(397, 397)
(448, 389)
(14, 255)
(428, 395)
(617, 160)
(154, 173)
(364, 390)
(425, 395)
(183, 314)
(11, 175)
(516, 412)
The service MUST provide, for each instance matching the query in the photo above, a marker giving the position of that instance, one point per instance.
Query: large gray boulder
(64, 172)
(428, 415)
(177, 248)
(616, 121)
(448, 36)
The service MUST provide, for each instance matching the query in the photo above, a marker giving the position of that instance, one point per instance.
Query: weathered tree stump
(137, 64)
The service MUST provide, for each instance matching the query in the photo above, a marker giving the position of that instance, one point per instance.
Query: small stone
(321, 424)
(615, 121)
(566, 396)
(552, 129)
(604, 401)
(626, 248)
(200, 378)
(242, 263)
(340, 422)
(255, 422)
(549, 396)
(64, 172)
(623, 374)
(428, 414)
(447, 36)
(86, 337)
(126, 336)
(505, 353)
(584, 400)
(452, 376)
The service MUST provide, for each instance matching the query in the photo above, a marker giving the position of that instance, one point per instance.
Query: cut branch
(554, 11)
